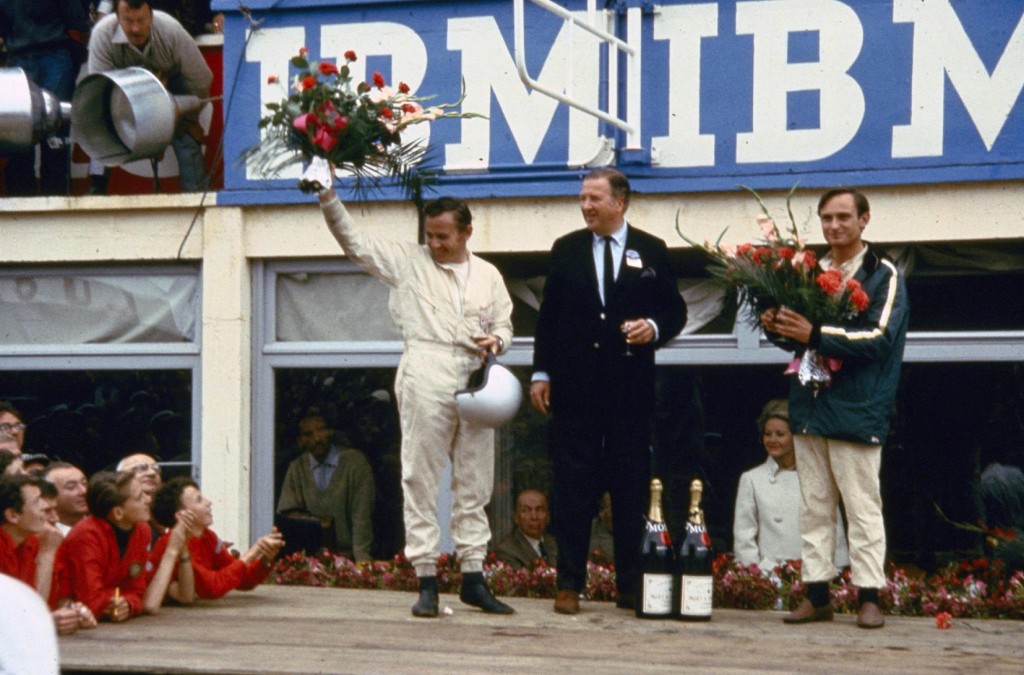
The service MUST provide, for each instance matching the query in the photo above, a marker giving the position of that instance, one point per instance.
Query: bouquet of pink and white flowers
(357, 127)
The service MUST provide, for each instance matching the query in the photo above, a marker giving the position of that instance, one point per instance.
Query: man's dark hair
(617, 181)
(6, 459)
(48, 489)
(167, 500)
(859, 200)
(7, 407)
(441, 205)
(132, 4)
(108, 489)
(10, 492)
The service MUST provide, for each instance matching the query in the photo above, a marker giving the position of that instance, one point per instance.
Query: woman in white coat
(766, 527)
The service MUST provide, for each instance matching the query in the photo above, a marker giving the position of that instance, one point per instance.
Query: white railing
(630, 47)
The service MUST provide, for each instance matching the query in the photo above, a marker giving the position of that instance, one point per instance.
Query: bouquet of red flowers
(356, 127)
(780, 271)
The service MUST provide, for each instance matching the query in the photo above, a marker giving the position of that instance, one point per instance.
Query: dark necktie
(609, 271)
(540, 547)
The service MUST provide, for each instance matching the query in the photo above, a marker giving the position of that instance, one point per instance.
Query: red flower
(408, 107)
(308, 82)
(350, 56)
(303, 51)
(328, 68)
(744, 248)
(810, 260)
(403, 87)
(860, 299)
(943, 620)
(786, 253)
(325, 139)
(830, 281)
(386, 112)
(378, 80)
(761, 253)
(272, 79)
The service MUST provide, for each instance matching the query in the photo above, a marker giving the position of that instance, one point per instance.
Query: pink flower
(304, 122)
(303, 51)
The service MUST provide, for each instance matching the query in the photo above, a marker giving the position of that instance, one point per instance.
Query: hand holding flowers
(782, 288)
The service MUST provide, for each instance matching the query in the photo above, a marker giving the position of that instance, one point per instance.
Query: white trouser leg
(856, 468)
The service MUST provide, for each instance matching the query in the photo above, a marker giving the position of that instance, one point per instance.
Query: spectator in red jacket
(29, 544)
(216, 570)
(103, 560)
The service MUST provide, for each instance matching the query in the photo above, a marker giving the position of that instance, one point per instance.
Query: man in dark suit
(529, 541)
(610, 300)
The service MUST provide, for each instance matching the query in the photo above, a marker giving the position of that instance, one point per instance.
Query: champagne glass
(625, 328)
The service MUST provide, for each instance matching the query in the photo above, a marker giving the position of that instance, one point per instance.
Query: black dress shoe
(474, 592)
(426, 606)
(98, 184)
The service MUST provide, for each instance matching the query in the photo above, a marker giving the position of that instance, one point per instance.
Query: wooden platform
(278, 629)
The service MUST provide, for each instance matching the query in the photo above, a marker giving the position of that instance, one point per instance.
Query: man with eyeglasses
(11, 422)
(147, 470)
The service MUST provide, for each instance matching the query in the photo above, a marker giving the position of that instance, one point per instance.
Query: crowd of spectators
(116, 545)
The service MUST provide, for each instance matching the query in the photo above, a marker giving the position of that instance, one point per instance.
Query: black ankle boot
(98, 183)
(474, 592)
(426, 606)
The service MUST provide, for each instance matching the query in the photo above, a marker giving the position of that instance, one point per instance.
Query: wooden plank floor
(278, 629)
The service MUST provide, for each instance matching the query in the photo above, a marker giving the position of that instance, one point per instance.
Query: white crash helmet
(492, 396)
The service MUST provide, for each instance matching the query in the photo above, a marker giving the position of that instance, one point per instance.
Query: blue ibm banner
(763, 93)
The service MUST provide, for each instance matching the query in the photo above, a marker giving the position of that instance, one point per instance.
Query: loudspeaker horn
(28, 113)
(123, 115)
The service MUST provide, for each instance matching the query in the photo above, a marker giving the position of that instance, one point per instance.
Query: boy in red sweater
(29, 544)
(216, 571)
(103, 559)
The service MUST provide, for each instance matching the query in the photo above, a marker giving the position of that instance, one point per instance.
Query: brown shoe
(805, 612)
(870, 616)
(567, 602)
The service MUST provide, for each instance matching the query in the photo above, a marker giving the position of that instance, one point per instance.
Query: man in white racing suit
(451, 307)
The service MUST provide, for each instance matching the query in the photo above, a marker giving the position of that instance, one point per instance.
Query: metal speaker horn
(123, 115)
(28, 114)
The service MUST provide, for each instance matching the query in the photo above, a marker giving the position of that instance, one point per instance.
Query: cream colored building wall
(227, 240)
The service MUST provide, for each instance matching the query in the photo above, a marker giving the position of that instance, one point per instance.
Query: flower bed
(980, 588)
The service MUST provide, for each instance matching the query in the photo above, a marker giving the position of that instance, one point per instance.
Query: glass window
(69, 307)
(93, 418)
(358, 408)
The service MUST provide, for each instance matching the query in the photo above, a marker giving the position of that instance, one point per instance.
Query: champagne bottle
(655, 599)
(693, 574)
